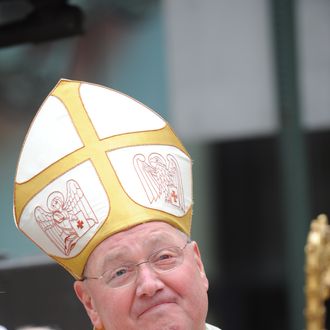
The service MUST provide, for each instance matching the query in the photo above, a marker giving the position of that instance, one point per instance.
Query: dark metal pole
(292, 155)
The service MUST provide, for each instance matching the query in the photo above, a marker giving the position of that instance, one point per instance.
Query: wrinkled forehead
(145, 235)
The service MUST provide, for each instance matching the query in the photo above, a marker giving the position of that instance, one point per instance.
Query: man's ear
(83, 294)
(199, 262)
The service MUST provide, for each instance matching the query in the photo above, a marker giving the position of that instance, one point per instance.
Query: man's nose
(147, 281)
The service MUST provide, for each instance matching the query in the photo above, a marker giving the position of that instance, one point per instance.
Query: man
(126, 191)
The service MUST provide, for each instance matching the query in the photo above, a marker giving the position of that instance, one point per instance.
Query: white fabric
(114, 113)
(161, 170)
(47, 142)
(91, 196)
(211, 327)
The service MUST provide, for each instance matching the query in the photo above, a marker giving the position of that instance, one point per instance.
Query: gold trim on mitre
(70, 191)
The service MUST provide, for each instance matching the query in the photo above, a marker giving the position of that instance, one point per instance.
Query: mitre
(96, 162)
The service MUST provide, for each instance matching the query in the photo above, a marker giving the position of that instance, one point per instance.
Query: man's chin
(162, 318)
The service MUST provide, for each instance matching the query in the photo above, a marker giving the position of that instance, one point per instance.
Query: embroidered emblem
(160, 178)
(66, 221)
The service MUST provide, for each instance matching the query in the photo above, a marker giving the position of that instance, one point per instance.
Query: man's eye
(118, 276)
(165, 256)
(119, 273)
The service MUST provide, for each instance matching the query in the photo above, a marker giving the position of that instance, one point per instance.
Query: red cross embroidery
(174, 196)
(80, 224)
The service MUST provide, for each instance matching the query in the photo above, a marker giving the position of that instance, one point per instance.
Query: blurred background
(245, 84)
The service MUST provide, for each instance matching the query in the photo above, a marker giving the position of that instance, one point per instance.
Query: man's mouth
(155, 307)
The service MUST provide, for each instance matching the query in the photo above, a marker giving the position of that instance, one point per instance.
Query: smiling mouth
(155, 308)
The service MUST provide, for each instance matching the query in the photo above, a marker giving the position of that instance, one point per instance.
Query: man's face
(174, 300)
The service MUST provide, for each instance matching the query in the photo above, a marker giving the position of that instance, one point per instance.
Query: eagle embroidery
(66, 221)
(160, 178)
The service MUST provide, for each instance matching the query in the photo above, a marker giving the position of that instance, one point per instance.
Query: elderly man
(104, 187)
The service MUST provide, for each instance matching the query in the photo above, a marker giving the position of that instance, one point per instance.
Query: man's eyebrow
(160, 238)
(117, 254)
(122, 253)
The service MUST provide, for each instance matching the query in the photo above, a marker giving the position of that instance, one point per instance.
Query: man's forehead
(146, 234)
(154, 228)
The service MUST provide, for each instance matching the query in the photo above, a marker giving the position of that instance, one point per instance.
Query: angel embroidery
(66, 221)
(160, 178)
